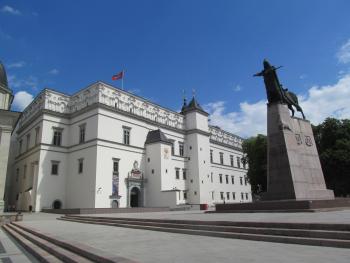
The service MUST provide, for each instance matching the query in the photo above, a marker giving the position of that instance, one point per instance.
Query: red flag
(120, 75)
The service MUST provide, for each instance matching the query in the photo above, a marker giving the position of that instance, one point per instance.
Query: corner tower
(198, 152)
(8, 120)
(6, 96)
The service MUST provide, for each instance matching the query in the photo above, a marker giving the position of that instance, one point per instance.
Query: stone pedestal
(294, 169)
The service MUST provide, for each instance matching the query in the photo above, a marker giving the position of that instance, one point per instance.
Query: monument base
(294, 168)
(285, 206)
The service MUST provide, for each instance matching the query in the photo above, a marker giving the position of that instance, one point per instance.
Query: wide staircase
(51, 249)
(315, 234)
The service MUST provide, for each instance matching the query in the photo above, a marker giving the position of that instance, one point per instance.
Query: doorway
(115, 204)
(57, 204)
(134, 197)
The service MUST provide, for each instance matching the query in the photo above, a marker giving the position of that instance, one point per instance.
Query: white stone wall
(5, 98)
(226, 169)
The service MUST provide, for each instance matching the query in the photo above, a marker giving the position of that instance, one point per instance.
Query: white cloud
(318, 104)
(54, 71)
(29, 82)
(248, 121)
(237, 88)
(327, 101)
(10, 10)
(343, 53)
(19, 64)
(22, 100)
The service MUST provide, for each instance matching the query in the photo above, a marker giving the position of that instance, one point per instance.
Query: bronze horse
(274, 90)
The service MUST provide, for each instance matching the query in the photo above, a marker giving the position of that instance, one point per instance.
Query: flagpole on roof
(123, 80)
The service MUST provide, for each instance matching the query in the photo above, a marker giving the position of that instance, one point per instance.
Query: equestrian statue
(275, 92)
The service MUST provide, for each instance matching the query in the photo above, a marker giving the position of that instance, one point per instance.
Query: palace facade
(104, 147)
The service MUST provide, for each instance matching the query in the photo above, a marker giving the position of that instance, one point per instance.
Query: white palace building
(104, 147)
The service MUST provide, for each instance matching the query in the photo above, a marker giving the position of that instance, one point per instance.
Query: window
(221, 158)
(28, 141)
(220, 178)
(185, 195)
(231, 160)
(246, 196)
(37, 130)
(241, 180)
(228, 195)
(222, 195)
(233, 179)
(115, 166)
(57, 137)
(172, 147)
(24, 171)
(245, 180)
(80, 165)
(20, 146)
(181, 149)
(233, 196)
(126, 135)
(0, 135)
(242, 196)
(54, 167)
(82, 133)
(184, 174)
(211, 156)
(177, 173)
(211, 177)
(212, 195)
(226, 179)
(238, 162)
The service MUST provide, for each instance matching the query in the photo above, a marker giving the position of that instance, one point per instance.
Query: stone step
(247, 236)
(90, 253)
(284, 225)
(344, 235)
(57, 251)
(39, 253)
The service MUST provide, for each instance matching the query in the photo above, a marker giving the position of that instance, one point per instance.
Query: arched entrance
(57, 204)
(134, 197)
(115, 204)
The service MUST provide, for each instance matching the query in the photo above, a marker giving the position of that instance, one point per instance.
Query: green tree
(255, 155)
(332, 139)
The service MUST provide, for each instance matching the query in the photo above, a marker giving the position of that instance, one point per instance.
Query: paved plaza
(151, 246)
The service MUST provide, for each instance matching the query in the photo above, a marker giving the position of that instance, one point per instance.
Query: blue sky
(213, 47)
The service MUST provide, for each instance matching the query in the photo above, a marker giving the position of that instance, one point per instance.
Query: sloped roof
(156, 136)
(193, 106)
